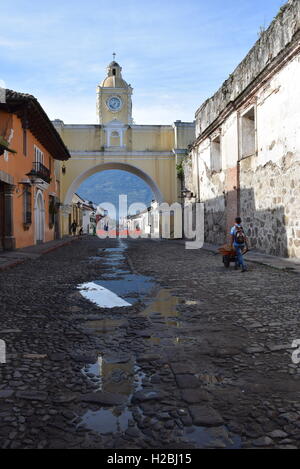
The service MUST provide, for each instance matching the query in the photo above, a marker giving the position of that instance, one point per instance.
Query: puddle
(154, 340)
(119, 287)
(101, 296)
(111, 376)
(205, 437)
(106, 421)
(130, 286)
(183, 340)
(176, 324)
(190, 302)
(120, 249)
(124, 291)
(103, 326)
(114, 377)
(163, 304)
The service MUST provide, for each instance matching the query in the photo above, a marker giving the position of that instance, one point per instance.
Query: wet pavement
(143, 344)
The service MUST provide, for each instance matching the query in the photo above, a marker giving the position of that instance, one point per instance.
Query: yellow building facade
(116, 142)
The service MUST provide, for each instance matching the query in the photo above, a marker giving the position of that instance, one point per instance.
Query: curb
(12, 264)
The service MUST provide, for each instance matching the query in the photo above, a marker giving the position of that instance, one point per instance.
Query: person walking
(74, 228)
(240, 243)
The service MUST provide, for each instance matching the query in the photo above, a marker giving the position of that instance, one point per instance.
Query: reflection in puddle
(164, 304)
(101, 296)
(106, 421)
(190, 302)
(120, 249)
(183, 340)
(131, 287)
(119, 287)
(168, 340)
(103, 326)
(174, 324)
(111, 377)
(154, 340)
(114, 376)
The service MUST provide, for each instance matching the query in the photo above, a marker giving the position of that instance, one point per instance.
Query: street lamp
(33, 176)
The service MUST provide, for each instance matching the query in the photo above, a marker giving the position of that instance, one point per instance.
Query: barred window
(51, 210)
(27, 206)
(25, 142)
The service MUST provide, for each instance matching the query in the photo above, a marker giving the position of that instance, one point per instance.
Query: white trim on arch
(39, 217)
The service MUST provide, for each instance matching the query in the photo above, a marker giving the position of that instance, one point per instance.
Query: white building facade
(246, 157)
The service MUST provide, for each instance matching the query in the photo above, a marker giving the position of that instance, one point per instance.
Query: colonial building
(30, 150)
(246, 157)
(116, 142)
(83, 213)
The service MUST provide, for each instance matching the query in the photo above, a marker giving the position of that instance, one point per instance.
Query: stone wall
(271, 207)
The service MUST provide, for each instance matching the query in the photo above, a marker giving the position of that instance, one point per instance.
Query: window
(38, 155)
(115, 139)
(27, 206)
(248, 131)
(52, 211)
(25, 142)
(215, 154)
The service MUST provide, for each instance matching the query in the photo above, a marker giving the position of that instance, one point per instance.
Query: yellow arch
(113, 165)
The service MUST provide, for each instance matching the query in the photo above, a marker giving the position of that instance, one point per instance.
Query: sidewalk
(280, 263)
(10, 259)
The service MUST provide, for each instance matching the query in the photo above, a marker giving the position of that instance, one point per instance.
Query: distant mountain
(108, 185)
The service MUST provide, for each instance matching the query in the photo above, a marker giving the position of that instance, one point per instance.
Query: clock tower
(114, 97)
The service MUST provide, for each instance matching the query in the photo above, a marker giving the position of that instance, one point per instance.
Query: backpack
(239, 236)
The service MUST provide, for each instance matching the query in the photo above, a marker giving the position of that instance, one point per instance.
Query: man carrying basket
(240, 243)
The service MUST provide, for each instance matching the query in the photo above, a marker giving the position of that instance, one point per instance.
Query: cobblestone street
(202, 358)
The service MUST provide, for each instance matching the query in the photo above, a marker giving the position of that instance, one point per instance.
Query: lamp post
(33, 176)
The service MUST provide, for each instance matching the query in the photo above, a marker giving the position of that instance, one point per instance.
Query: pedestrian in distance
(240, 243)
(73, 228)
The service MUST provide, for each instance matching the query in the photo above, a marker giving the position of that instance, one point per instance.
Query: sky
(175, 54)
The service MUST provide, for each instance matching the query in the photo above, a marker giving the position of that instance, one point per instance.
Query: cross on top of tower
(114, 56)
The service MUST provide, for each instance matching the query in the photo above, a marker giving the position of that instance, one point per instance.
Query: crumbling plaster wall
(270, 181)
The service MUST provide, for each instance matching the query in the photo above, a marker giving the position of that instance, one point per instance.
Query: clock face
(114, 103)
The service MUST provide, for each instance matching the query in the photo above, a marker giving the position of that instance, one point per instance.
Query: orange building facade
(30, 154)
